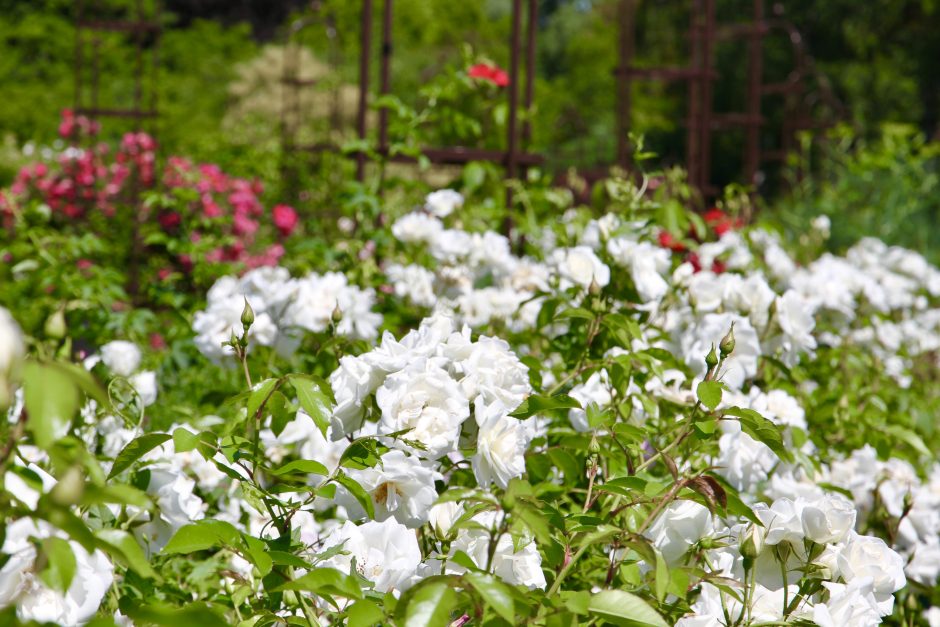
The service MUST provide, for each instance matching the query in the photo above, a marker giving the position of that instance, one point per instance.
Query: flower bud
(248, 315)
(711, 359)
(594, 289)
(55, 325)
(337, 314)
(752, 542)
(726, 346)
(70, 488)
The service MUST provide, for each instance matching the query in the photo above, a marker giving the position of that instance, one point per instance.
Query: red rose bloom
(491, 73)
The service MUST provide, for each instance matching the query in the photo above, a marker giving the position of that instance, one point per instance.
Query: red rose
(491, 73)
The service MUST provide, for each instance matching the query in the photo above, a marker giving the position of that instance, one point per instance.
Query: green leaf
(709, 392)
(60, 564)
(574, 312)
(128, 551)
(761, 429)
(315, 401)
(428, 605)
(161, 614)
(259, 394)
(326, 581)
(358, 493)
(535, 404)
(51, 398)
(301, 467)
(495, 593)
(136, 449)
(280, 411)
(364, 613)
(622, 608)
(184, 440)
(202, 535)
(256, 554)
(908, 437)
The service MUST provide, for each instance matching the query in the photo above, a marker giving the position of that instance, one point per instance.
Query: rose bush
(640, 415)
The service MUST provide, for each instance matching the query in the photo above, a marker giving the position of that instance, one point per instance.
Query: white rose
(443, 202)
(782, 521)
(867, 556)
(647, 264)
(595, 390)
(122, 358)
(400, 486)
(20, 584)
(744, 461)
(932, 616)
(386, 553)
(522, 567)
(580, 266)
(828, 519)
(176, 505)
(416, 227)
(145, 384)
(705, 291)
(12, 351)
(501, 445)
(851, 604)
(352, 383)
(680, 525)
(426, 401)
(493, 372)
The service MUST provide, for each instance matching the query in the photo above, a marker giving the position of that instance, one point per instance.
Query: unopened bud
(337, 314)
(711, 359)
(594, 289)
(726, 346)
(248, 315)
(70, 488)
(55, 325)
(752, 542)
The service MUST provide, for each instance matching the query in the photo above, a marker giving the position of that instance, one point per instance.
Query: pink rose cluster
(87, 181)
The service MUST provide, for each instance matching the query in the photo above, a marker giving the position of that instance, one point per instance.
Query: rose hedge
(649, 417)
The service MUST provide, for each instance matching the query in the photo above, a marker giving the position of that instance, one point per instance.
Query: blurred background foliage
(220, 95)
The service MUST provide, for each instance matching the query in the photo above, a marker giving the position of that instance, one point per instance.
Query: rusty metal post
(755, 69)
(530, 71)
(385, 85)
(693, 131)
(708, 46)
(512, 128)
(365, 53)
(626, 18)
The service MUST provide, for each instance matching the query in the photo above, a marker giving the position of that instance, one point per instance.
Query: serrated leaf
(314, 400)
(535, 404)
(129, 551)
(709, 393)
(259, 394)
(357, 492)
(202, 535)
(761, 429)
(428, 605)
(622, 608)
(301, 466)
(495, 593)
(326, 581)
(135, 449)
